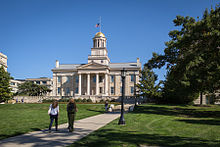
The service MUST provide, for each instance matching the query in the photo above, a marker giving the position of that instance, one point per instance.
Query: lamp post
(122, 120)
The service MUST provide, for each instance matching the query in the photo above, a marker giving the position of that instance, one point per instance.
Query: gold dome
(99, 34)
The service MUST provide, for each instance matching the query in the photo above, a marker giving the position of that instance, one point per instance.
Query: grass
(160, 125)
(22, 118)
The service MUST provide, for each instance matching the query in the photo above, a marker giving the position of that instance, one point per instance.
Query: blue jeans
(52, 117)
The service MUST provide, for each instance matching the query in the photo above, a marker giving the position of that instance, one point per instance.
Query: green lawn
(17, 119)
(161, 125)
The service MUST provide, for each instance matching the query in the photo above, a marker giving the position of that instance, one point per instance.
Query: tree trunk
(200, 98)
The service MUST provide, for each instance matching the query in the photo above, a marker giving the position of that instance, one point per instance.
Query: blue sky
(36, 33)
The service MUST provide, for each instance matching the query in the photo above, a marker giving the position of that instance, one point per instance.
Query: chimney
(57, 64)
(138, 60)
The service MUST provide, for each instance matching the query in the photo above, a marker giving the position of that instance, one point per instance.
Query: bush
(47, 100)
(101, 101)
(64, 100)
(78, 100)
(84, 100)
(89, 100)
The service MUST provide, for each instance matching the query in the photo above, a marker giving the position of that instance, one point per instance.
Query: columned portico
(79, 86)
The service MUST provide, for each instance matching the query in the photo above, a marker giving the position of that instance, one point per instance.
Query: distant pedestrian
(22, 100)
(53, 112)
(106, 105)
(71, 113)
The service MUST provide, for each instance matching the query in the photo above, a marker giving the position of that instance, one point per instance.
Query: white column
(97, 84)
(106, 84)
(88, 84)
(79, 86)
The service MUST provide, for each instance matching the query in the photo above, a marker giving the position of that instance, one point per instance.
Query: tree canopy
(5, 90)
(31, 89)
(147, 85)
(192, 56)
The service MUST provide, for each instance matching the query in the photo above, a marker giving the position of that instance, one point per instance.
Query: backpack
(71, 108)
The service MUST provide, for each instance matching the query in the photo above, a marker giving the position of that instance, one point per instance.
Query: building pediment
(92, 65)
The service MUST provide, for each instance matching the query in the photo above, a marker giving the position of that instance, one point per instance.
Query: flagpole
(100, 24)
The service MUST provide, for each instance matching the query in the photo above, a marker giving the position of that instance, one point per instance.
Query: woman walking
(71, 113)
(53, 112)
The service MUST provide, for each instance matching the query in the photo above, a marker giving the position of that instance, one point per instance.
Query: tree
(5, 90)
(147, 85)
(192, 56)
(31, 89)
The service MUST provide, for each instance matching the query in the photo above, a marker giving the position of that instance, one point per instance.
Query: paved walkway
(62, 137)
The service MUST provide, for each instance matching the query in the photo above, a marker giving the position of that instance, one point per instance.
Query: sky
(36, 33)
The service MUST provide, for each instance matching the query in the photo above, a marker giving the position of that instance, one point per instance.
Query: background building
(14, 84)
(3, 61)
(43, 81)
(98, 78)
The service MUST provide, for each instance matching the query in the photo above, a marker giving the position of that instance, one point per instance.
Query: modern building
(39, 81)
(97, 78)
(14, 83)
(3, 61)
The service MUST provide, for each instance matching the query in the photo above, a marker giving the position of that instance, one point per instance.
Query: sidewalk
(62, 137)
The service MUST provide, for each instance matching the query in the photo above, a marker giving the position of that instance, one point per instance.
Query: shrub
(89, 100)
(78, 100)
(64, 100)
(84, 100)
(47, 100)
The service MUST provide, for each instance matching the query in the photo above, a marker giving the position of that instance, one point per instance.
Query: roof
(99, 34)
(124, 65)
(111, 66)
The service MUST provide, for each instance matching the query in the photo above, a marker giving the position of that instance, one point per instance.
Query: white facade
(3, 61)
(99, 77)
(14, 85)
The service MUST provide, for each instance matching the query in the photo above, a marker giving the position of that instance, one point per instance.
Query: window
(100, 79)
(101, 61)
(77, 79)
(94, 79)
(59, 79)
(112, 90)
(68, 79)
(44, 82)
(112, 78)
(67, 90)
(100, 89)
(132, 78)
(37, 82)
(132, 89)
(58, 90)
(12, 83)
(77, 90)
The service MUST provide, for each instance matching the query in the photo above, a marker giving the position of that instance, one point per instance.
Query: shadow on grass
(100, 111)
(4, 136)
(108, 137)
(176, 111)
(206, 122)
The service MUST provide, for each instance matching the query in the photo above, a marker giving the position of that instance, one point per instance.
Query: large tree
(192, 56)
(147, 85)
(31, 89)
(5, 90)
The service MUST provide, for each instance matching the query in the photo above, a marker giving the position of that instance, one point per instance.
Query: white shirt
(54, 111)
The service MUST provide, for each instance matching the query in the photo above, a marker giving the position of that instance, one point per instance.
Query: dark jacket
(71, 107)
